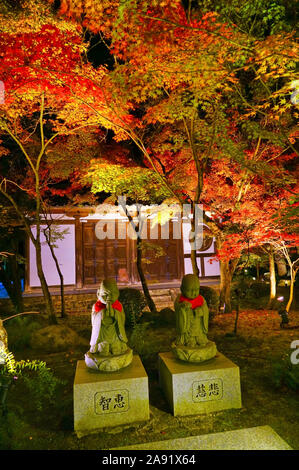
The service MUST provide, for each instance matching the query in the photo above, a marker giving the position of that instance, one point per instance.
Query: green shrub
(138, 339)
(166, 317)
(19, 331)
(133, 302)
(284, 373)
(42, 386)
(212, 298)
(39, 379)
(259, 289)
(250, 292)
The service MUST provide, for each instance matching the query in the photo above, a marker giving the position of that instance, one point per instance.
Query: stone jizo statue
(192, 322)
(108, 343)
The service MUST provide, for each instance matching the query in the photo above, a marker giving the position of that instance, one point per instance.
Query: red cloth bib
(98, 306)
(197, 302)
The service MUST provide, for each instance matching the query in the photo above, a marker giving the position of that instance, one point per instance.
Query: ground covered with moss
(261, 349)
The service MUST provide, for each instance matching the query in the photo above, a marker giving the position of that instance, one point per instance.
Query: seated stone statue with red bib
(108, 343)
(192, 322)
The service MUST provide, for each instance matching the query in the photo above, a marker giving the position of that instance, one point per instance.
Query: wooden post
(27, 287)
(79, 252)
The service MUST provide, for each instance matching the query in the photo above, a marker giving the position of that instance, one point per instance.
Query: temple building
(86, 256)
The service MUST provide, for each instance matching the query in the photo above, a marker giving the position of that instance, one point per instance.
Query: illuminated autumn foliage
(202, 105)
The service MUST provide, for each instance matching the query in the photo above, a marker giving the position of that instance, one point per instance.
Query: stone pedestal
(199, 388)
(105, 399)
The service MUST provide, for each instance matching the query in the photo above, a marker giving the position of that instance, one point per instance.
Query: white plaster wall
(213, 268)
(188, 266)
(65, 253)
(187, 247)
(186, 243)
(210, 269)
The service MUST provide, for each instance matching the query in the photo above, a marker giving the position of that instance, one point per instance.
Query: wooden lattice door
(108, 258)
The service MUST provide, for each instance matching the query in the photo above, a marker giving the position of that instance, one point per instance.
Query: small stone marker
(107, 399)
(257, 438)
(199, 388)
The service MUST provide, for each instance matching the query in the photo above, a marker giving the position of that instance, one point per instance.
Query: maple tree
(281, 235)
(34, 65)
(248, 222)
(186, 87)
(237, 195)
(186, 74)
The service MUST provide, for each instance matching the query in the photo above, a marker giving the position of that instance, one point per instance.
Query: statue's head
(108, 291)
(190, 286)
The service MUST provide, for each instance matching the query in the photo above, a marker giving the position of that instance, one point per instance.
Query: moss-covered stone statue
(108, 343)
(192, 321)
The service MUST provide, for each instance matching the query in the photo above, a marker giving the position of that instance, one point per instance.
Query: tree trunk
(291, 294)
(237, 315)
(225, 287)
(193, 251)
(227, 269)
(136, 227)
(143, 281)
(272, 279)
(47, 296)
(281, 266)
(194, 263)
(258, 275)
(63, 312)
(48, 238)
